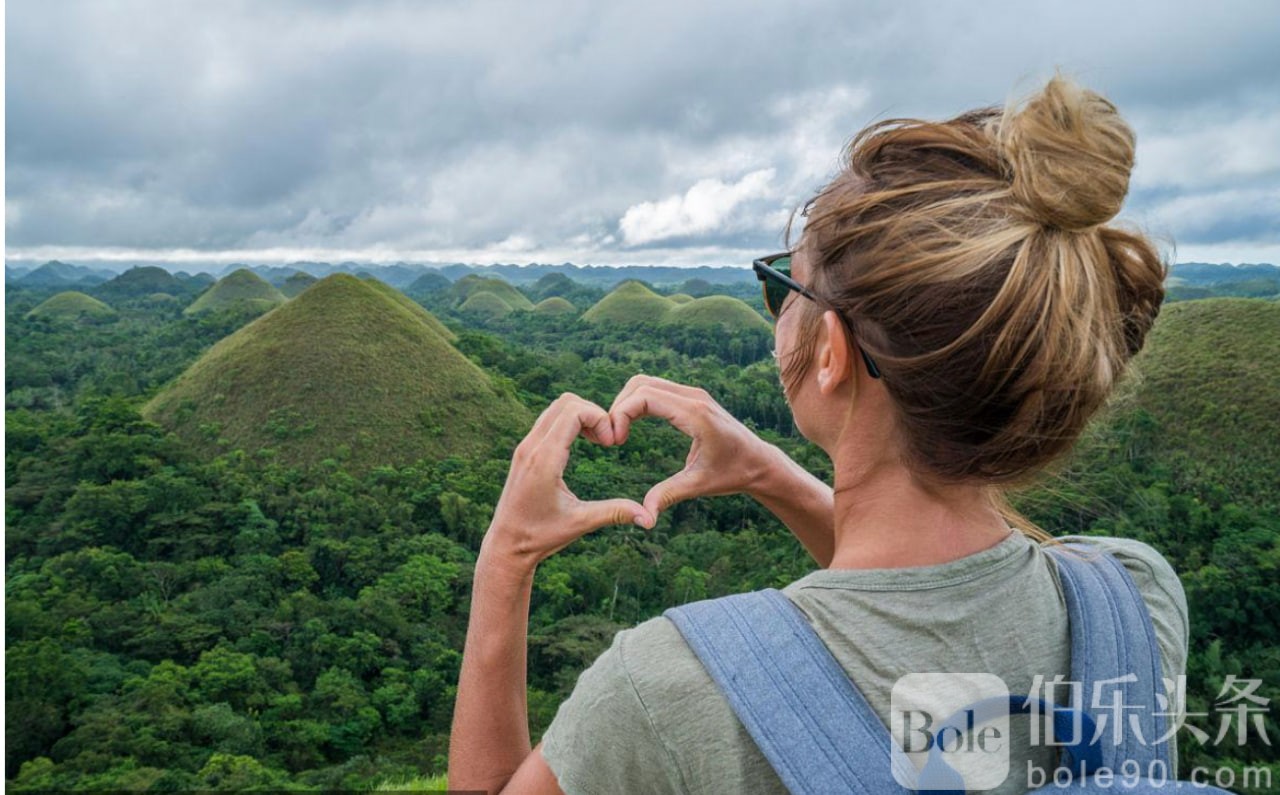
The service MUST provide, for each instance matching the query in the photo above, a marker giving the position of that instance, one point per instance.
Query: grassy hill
(242, 287)
(70, 307)
(342, 371)
(140, 281)
(680, 298)
(296, 283)
(719, 311)
(555, 305)
(427, 283)
(414, 308)
(1205, 399)
(485, 305)
(468, 286)
(630, 302)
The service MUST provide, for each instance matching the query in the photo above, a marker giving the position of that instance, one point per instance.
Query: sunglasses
(774, 273)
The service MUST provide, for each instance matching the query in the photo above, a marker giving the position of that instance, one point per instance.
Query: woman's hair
(972, 260)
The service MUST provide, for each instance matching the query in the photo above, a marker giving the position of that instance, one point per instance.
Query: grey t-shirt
(647, 718)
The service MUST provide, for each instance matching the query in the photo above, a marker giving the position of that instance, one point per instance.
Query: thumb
(677, 488)
(604, 512)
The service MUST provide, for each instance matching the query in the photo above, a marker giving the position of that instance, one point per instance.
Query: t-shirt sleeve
(602, 739)
(1166, 601)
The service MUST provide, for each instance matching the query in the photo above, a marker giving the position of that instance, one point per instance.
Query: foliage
(184, 614)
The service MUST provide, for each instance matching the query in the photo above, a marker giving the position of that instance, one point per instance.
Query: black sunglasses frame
(765, 272)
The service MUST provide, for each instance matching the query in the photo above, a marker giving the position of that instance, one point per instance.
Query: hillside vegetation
(555, 305)
(296, 283)
(1206, 396)
(141, 281)
(485, 305)
(468, 286)
(72, 306)
(240, 288)
(633, 302)
(716, 311)
(630, 302)
(343, 371)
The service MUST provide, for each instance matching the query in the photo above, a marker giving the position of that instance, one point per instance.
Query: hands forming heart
(537, 515)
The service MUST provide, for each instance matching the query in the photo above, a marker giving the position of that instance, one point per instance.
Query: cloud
(707, 205)
(595, 132)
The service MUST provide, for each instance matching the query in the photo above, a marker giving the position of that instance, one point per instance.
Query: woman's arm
(536, 516)
(727, 458)
(801, 501)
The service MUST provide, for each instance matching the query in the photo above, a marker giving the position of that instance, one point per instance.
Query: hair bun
(1070, 153)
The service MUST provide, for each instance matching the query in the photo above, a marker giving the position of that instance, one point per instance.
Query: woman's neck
(887, 518)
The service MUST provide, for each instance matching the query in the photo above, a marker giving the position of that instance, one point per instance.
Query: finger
(578, 416)
(619, 511)
(648, 401)
(637, 381)
(677, 488)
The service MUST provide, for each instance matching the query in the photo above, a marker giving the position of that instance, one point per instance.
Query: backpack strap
(809, 720)
(820, 735)
(1114, 655)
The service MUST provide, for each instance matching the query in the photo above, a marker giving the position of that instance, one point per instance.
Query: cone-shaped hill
(1206, 397)
(555, 305)
(720, 311)
(680, 298)
(471, 284)
(141, 281)
(427, 283)
(296, 283)
(485, 305)
(414, 307)
(342, 371)
(71, 307)
(239, 288)
(630, 302)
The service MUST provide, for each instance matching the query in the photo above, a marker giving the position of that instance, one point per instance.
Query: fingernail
(640, 522)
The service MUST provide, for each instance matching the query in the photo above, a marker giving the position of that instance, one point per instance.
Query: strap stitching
(783, 683)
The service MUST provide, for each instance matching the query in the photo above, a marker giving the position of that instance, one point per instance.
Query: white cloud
(703, 208)
(1206, 151)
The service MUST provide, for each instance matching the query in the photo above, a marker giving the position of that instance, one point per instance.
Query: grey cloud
(414, 126)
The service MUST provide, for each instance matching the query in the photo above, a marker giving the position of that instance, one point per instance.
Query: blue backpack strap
(1112, 640)
(811, 723)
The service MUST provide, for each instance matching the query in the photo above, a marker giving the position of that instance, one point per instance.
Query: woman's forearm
(490, 735)
(801, 501)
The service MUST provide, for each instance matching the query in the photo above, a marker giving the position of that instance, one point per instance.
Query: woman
(957, 310)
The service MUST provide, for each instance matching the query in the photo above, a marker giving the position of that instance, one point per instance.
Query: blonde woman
(956, 309)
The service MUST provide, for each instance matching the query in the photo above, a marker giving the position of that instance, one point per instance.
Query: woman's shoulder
(640, 717)
(1161, 590)
(1152, 573)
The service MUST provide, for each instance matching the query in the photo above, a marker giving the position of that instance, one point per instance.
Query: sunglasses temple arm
(872, 370)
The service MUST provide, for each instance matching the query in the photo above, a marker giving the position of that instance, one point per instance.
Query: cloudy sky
(596, 132)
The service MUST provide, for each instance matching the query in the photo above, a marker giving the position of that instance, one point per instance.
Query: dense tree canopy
(178, 621)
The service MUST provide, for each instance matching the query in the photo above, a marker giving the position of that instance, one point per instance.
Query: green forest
(242, 518)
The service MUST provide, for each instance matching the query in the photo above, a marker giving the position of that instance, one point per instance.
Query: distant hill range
(1193, 280)
(350, 370)
(62, 274)
(1187, 280)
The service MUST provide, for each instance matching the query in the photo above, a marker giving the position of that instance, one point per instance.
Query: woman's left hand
(537, 515)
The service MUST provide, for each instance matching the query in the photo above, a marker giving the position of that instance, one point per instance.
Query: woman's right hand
(725, 456)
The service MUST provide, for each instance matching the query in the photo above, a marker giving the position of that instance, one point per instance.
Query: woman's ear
(834, 360)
